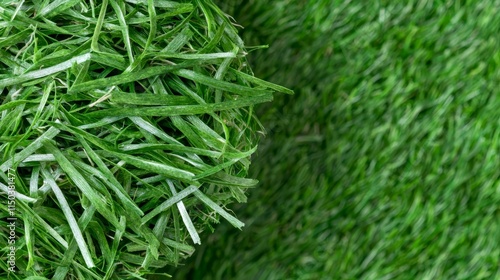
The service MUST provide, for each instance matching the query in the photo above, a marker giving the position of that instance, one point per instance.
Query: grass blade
(181, 109)
(97, 200)
(231, 219)
(44, 72)
(68, 213)
(218, 84)
(185, 216)
(168, 203)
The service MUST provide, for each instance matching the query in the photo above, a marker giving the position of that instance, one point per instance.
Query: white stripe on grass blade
(69, 217)
(44, 72)
(30, 149)
(168, 203)
(185, 216)
(19, 196)
(231, 219)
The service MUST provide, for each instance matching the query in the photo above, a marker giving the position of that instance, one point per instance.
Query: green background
(384, 165)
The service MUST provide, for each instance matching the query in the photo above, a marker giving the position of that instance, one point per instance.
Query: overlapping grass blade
(97, 200)
(68, 213)
(185, 216)
(210, 203)
(181, 110)
(168, 203)
(33, 75)
(32, 148)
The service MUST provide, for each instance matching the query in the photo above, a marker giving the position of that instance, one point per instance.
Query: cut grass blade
(68, 213)
(181, 110)
(156, 167)
(125, 78)
(105, 174)
(185, 216)
(231, 219)
(63, 268)
(261, 82)
(149, 99)
(55, 7)
(5, 189)
(218, 84)
(30, 76)
(32, 148)
(97, 200)
(114, 248)
(168, 203)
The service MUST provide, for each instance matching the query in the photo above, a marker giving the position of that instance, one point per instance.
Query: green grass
(126, 128)
(384, 165)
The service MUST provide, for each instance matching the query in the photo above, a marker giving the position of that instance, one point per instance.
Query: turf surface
(385, 164)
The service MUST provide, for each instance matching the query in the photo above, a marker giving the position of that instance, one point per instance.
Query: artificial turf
(385, 163)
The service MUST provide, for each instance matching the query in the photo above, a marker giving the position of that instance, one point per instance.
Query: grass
(126, 129)
(384, 165)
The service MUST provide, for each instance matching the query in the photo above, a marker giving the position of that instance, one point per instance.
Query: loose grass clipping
(126, 128)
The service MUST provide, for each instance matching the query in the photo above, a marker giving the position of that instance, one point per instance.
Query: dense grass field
(385, 163)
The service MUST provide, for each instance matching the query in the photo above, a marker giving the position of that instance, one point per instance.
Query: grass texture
(384, 165)
(126, 128)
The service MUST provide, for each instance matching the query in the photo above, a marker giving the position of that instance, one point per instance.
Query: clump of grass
(128, 126)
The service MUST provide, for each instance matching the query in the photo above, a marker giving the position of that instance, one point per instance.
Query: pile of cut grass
(385, 163)
(126, 127)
